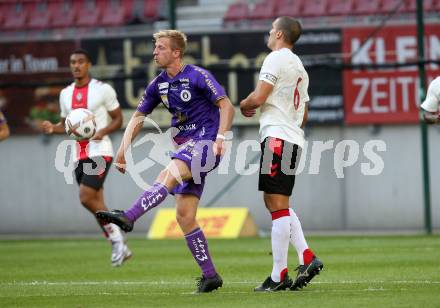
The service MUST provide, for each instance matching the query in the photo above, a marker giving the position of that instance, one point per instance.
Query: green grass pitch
(359, 272)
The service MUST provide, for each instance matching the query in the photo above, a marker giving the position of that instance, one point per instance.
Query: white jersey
(99, 98)
(432, 99)
(282, 113)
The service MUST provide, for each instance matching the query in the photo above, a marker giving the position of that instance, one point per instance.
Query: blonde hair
(177, 39)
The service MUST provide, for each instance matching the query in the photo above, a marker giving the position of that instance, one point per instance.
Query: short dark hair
(290, 27)
(82, 52)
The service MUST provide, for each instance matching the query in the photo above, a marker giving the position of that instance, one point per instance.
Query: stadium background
(361, 90)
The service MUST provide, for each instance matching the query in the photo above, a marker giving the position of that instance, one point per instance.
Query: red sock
(283, 274)
(308, 256)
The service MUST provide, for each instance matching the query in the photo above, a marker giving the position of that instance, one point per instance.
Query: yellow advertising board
(215, 223)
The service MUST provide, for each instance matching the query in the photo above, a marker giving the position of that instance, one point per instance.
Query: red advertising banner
(386, 95)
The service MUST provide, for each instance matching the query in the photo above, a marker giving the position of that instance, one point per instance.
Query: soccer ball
(80, 124)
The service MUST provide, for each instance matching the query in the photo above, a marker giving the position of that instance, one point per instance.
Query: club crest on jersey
(185, 96)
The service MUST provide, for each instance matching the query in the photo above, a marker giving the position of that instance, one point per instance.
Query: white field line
(221, 292)
(251, 291)
(191, 284)
(162, 282)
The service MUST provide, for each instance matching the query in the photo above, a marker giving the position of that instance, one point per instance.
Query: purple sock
(198, 245)
(150, 198)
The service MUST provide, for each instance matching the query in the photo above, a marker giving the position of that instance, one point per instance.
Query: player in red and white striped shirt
(100, 98)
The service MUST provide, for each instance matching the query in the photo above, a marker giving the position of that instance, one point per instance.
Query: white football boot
(120, 250)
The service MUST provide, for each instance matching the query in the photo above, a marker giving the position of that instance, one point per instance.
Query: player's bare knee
(180, 218)
(174, 173)
(167, 178)
(184, 220)
(86, 197)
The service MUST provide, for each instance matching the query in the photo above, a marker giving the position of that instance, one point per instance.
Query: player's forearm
(4, 131)
(134, 126)
(59, 128)
(113, 126)
(115, 123)
(226, 116)
(251, 102)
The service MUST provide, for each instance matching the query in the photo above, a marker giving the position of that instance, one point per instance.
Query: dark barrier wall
(377, 78)
(234, 58)
(34, 73)
(31, 77)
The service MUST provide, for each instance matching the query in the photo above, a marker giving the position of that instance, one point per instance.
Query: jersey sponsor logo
(273, 169)
(269, 76)
(79, 96)
(163, 85)
(201, 71)
(202, 132)
(184, 80)
(189, 149)
(208, 81)
(211, 86)
(150, 201)
(185, 96)
(186, 155)
(181, 117)
(199, 247)
(187, 127)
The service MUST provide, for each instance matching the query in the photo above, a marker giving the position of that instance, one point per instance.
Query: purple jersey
(190, 98)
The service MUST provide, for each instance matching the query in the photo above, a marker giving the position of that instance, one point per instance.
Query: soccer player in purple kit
(203, 114)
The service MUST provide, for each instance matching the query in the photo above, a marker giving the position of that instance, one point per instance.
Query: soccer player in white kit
(100, 98)
(281, 93)
(431, 103)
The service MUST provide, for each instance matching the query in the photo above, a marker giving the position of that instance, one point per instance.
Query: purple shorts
(200, 158)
